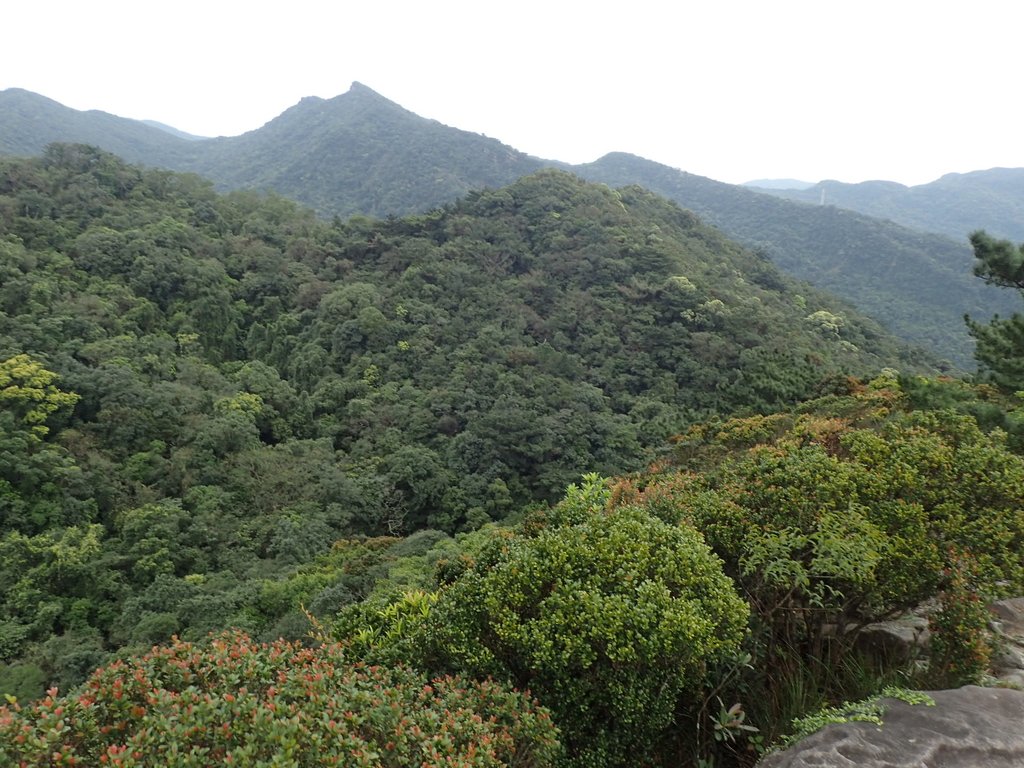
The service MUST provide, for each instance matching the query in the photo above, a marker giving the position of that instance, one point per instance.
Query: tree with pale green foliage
(40, 485)
(28, 395)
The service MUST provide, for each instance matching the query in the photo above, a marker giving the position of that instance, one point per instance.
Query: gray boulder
(1008, 629)
(968, 727)
(898, 641)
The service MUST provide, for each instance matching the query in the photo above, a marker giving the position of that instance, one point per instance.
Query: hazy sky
(731, 89)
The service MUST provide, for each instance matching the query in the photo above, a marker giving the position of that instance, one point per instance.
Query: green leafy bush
(608, 621)
(851, 510)
(233, 702)
(848, 512)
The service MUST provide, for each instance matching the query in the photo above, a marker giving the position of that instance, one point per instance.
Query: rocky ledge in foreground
(968, 727)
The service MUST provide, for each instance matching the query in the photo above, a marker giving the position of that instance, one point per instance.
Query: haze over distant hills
(918, 284)
(355, 153)
(174, 131)
(361, 153)
(954, 205)
(778, 184)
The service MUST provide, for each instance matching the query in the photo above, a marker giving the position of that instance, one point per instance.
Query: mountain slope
(954, 205)
(28, 122)
(173, 131)
(355, 153)
(233, 384)
(360, 153)
(550, 327)
(917, 284)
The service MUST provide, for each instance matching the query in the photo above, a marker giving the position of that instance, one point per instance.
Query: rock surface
(1008, 627)
(968, 727)
(901, 640)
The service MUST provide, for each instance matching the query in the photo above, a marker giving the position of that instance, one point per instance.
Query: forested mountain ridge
(919, 285)
(361, 153)
(203, 392)
(354, 153)
(29, 122)
(954, 205)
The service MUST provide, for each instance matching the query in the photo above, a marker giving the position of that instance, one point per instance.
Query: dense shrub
(233, 702)
(851, 510)
(608, 620)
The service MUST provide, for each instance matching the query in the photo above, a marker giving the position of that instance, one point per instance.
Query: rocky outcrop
(906, 639)
(968, 727)
(900, 641)
(1008, 631)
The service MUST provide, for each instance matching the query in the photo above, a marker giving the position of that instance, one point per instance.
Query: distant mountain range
(359, 153)
(28, 122)
(778, 184)
(174, 131)
(355, 153)
(955, 205)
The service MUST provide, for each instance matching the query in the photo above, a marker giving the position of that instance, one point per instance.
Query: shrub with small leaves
(233, 702)
(846, 512)
(609, 617)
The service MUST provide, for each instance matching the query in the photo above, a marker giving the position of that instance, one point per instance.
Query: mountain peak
(364, 91)
(356, 94)
(619, 156)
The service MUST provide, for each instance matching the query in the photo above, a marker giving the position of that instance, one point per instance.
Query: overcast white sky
(731, 89)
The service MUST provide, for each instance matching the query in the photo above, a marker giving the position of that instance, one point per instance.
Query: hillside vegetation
(916, 284)
(201, 391)
(357, 447)
(361, 153)
(680, 616)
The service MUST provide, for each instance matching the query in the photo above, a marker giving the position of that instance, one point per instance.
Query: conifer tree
(1000, 350)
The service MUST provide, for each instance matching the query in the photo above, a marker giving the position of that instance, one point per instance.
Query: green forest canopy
(359, 153)
(221, 411)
